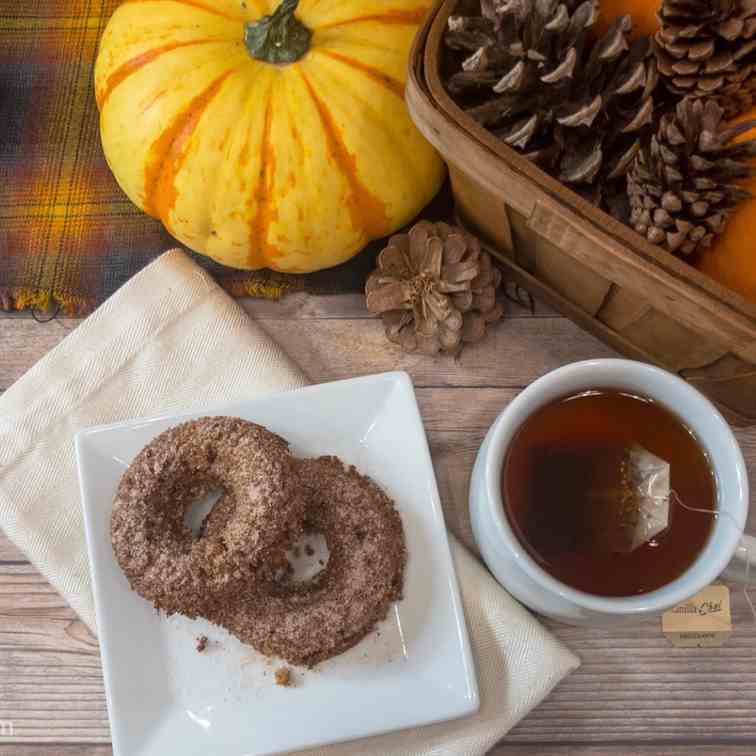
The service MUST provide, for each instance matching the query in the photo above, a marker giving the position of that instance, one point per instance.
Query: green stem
(279, 38)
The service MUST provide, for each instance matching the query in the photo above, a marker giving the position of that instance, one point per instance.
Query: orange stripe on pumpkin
(366, 211)
(261, 201)
(193, 3)
(378, 76)
(132, 66)
(159, 96)
(398, 17)
(296, 136)
(168, 153)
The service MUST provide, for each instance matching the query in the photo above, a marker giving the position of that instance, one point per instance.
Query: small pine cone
(681, 186)
(435, 289)
(707, 49)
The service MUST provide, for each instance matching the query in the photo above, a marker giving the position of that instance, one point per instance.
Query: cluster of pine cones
(638, 127)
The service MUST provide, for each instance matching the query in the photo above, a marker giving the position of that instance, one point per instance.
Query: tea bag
(634, 507)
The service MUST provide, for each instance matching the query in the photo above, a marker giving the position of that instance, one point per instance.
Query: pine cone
(533, 74)
(707, 48)
(680, 185)
(435, 289)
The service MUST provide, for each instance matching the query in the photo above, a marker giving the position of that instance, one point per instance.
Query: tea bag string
(677, 499)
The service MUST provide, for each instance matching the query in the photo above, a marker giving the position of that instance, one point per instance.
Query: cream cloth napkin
(172, 340)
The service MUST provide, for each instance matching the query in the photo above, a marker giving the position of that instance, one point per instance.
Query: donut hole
(198, 511)
(307, 557)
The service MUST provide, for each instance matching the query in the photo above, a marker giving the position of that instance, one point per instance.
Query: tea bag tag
(640, 510)
(703, 621)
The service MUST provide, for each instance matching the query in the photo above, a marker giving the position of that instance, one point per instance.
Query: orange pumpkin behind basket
(643, 13)
(731, 260)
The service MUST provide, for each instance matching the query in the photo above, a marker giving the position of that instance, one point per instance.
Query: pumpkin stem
(279, 38)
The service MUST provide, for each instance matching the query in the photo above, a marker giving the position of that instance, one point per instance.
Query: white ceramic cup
(727, 549)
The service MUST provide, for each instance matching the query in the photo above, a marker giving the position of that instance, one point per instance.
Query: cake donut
(306, 623)
(163, 561)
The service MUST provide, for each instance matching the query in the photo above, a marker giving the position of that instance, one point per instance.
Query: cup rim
(672, 593)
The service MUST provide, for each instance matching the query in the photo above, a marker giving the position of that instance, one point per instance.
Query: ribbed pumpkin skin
(291, 167)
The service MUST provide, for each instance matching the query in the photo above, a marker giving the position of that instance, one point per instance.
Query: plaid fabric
(69, 237)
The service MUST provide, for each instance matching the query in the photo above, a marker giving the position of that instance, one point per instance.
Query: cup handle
(742, 566)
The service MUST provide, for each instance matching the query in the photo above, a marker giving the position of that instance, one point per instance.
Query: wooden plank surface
(517, 352)
(629, 749)
(8, 552)
(634, 694)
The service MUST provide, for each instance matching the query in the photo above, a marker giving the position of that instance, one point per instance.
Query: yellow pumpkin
(731, 259)
(643, 13)
(266, 135)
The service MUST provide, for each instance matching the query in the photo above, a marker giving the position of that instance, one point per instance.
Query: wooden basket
(636, 297)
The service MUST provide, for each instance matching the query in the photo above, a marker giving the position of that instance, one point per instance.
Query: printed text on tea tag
(703, 621)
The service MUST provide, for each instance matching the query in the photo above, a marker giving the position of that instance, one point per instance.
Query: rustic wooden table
(634, 693)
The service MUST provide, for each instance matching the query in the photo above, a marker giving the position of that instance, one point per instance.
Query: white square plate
(165, 698)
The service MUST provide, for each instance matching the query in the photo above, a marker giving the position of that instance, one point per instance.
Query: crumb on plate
(283, 677)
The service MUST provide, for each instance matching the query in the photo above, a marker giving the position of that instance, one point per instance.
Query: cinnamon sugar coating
(162, 560)
(306, 623)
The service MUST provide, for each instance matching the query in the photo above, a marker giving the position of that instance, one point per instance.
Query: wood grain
(78, 749)
(303, 306)
(632, 686)
(634, 694)
(516, 749)
(8, 552)
(625, 749)
(50, 679)
(517, 351)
